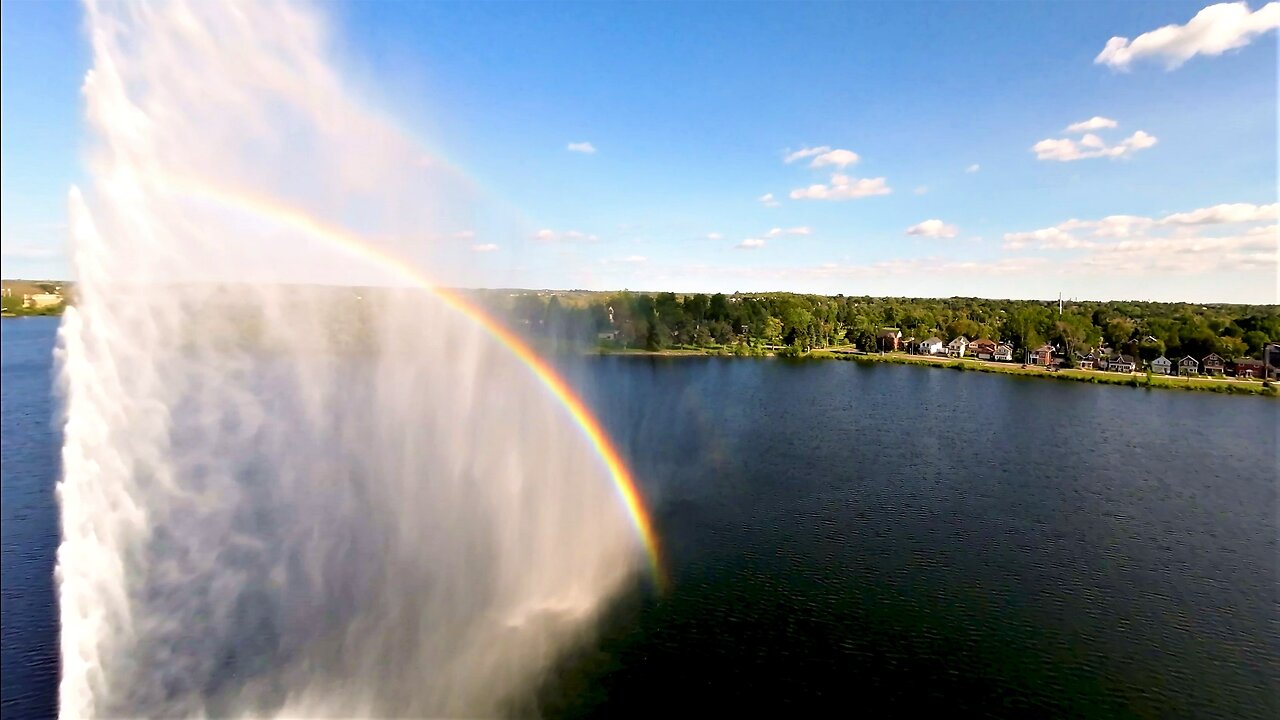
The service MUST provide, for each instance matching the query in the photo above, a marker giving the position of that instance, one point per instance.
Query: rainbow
(353, 245)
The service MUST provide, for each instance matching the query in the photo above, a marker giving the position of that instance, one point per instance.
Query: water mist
(282, 497)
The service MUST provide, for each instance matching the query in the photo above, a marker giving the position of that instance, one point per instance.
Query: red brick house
(983, 349)
(1042, 355)
(889, 339)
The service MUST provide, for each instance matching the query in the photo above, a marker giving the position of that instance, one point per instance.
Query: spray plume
(282, 498)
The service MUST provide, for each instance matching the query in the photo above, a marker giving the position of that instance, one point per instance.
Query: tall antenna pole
(1059, 303)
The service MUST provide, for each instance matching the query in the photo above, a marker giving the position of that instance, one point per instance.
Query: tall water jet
(283, 498)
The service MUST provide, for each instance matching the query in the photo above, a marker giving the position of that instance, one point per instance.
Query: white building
(931, 346)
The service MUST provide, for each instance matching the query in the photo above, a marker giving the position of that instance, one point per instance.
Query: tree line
(756, 322)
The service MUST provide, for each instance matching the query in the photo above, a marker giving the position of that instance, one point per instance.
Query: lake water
(865, 539)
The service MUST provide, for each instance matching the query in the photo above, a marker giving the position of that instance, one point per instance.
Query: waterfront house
(1042, 355)
(1213, 364)
(983, 349)
(931, 346)
(1121, 363)
(1162, 366)
(1271, 359)
(1248, 368)
(958, 346)
(889, 339)
(1004, 352)
(1087, 362)
(1188, 366)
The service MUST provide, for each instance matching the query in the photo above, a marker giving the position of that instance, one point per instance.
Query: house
(983, 349)
(931, 346)
(1004, 353)
(1162, 366)
(1271, 358)
(889, 339)
(1042, 355)
(1213, 364)
(958, 346)
(1121, 363)
(41, 300)
(1248, 368)
(1188, 366)
(1088, 362)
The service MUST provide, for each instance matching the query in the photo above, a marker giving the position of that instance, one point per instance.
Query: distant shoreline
(1098, 377)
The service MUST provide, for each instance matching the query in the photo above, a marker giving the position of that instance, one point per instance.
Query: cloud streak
(1213, 31)
(585, 148)
(1175, 243)
(932, 229)
(843, 187)
(1091, 146)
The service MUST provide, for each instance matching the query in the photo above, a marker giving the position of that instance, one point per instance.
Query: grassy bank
(1097, 377)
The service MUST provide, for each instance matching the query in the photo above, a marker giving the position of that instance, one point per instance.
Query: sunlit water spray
(281, 498)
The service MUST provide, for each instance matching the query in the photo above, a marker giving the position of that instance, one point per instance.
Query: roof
(1165, 359)
(889, 332)
(1184, 360)
(1004, 345)
(961, 338)
(1213, 356)
(1248, 361)
(933, 340)
(1044, 348)
(984, 341)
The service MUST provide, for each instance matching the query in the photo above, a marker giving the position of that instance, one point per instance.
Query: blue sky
(692, 109)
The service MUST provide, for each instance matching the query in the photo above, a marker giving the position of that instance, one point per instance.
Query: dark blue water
(864, 540)
(28, 519)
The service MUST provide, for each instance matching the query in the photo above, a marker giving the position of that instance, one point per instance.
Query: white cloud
(1091, 146)
(973, 168)
(1173, 244)
(802, 230)
(29, 251)
(714, 236)
(837, 158)
(1226, 213)
(581, 147)
(768, 200)
(751, 244)
(843, 187)
(1096, 122)
(804, 153)
(485, 247)
(1213, 31)
(464, 235)
(547, 235)
(933, 229)
(922, 190)
(635, 259)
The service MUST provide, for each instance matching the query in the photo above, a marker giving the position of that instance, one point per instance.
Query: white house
(1004, 352)
(931, 346)
(1162, 365)
(956, 347)
(40, 300)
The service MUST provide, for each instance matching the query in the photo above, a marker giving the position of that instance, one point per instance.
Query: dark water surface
(28, 519)
(854, 539)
